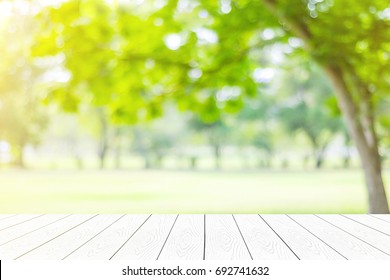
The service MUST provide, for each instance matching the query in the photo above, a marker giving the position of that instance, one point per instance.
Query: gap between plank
(8, 217)
(93, 237)
(352, 235)
(204, 236)
(22, 222)
(317, 237)
(379, 218)
(242, 237)
(279, 236)
(56, 237)
(130, 237)
(169, 233)
(35, 230)
(366, 225)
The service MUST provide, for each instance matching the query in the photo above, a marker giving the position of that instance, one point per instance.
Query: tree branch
(297, 27)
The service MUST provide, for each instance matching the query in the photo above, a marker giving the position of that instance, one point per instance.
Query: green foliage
(134, 57)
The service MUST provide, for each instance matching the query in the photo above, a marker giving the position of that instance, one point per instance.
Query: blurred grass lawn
(327, 191)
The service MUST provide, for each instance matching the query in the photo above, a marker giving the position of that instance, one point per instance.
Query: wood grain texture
(223, 239)
(347, 245)
(303, 243)
(26, 243)
(9, 222)
(373, 237)
(63, 245)
(380, 225)
(103, 246)
(186, 239)
(148, 241)
(262, 241)
(195, 237)
(27, 227)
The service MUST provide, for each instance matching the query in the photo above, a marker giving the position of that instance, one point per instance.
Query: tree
(256, 126)
(95, 121)
(103, 136)
(153, 143)
(203, 54)
(22, 117)
(349, 45)
(215, 132)
(305, 107)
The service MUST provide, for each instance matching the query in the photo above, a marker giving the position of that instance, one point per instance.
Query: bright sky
(7, 8)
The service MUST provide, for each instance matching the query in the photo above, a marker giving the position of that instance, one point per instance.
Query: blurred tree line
(283, 69)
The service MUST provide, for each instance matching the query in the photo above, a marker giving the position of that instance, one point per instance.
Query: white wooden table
(194, 237)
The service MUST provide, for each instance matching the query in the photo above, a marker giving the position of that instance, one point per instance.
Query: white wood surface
(109, 241)
(371, 222)
(18, 247)
(348, 246)
(27, 227)
(366, 234)
(5, 216)
(262, 241)
(194, 237)
(303, 243)
(148, 241)
(65, 244)
(9, 222)
(223, 239)
(186, 239)
(382, 217)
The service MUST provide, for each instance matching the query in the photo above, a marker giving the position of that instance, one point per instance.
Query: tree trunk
(360, 124)
(347, 160)
(193, 162)
(103, 145)
(364, 141)
(102, 152)
(159, 160)
(319, 160)
(118, 158)
(347, 155)
(217, 156)
(118, 149)
(147, 161)
(320, 155)
(19, 160)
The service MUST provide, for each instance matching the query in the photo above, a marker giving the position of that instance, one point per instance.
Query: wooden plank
(262, 241)
(303, 243)
(186, 239)
(349, 246)
(63, 245)
(6, 216)
(373, 237)
(224, 240)
(103, 246)
(383, 217)
(148, 241)
(20, 246)
(16, 220)
(371, 222)
(27, 227)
